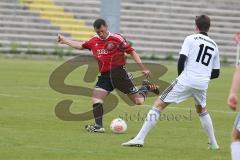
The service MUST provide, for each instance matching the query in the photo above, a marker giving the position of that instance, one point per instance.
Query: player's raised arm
(138, 60)
(72, 43)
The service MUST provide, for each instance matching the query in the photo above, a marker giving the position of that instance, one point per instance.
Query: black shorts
(116, 78)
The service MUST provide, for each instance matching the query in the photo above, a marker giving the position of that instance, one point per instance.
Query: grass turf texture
(30, 130)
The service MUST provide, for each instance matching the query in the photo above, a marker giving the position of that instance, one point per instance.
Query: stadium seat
(155, 27)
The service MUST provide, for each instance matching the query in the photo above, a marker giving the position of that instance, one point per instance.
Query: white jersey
(202, 56)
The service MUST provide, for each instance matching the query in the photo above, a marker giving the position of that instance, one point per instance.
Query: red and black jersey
(109, 52)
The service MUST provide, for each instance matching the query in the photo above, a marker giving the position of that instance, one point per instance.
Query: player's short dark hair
(99, 22)
(203, 23)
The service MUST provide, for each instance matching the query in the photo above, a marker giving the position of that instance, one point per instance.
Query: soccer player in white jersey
(198, 63)
(233, 102)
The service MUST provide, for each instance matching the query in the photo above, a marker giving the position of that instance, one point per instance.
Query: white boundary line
(33, 97)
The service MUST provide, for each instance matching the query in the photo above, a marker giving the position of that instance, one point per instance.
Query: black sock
(143, 91)
(98, 113)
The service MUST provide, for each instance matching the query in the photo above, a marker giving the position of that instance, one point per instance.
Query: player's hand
(61, 39)
(146, 73)
(233, 101)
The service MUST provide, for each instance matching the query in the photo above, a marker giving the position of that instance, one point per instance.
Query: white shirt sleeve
(216, 61)
(185, 47)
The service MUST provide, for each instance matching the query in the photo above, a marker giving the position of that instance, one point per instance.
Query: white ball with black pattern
(118, 125)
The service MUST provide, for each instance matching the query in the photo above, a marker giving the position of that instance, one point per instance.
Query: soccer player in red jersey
(109, 49)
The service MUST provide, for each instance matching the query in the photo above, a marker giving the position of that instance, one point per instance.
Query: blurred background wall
(156, 28)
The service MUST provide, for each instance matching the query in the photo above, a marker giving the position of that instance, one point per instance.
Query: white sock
(207, 125)
(150, 121)
(235, 150)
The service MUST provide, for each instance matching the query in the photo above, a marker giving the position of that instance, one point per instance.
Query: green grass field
(30, 130)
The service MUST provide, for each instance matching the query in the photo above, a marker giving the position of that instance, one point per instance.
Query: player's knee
(235, 135)
(96, 100)
(160, 104)
(138, 101)
(200, 109)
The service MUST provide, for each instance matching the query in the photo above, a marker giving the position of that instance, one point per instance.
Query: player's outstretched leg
(235, 146)
(150, 121)
(207, 125)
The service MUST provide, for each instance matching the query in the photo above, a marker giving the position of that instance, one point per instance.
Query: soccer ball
(118, 125)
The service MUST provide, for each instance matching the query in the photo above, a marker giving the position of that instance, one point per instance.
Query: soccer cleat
(213, 147)
(151, 86)
(133, 143)
(94, 128)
